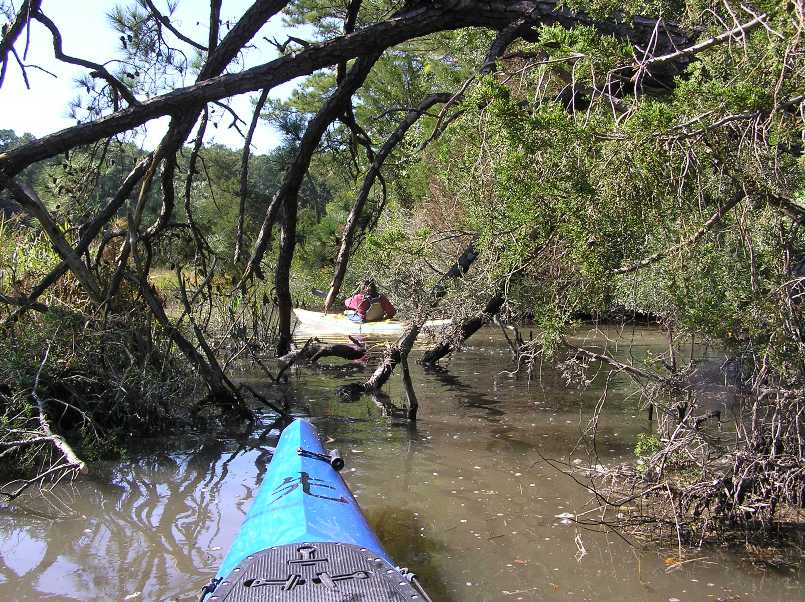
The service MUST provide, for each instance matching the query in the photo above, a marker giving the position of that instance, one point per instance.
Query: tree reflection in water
(157, 528)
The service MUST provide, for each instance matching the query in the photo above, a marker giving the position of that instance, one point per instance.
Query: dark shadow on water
(402, 536)
(469, 397)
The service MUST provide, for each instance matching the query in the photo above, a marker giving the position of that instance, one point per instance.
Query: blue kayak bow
(305, 537)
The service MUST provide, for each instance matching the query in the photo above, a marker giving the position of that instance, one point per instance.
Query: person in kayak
(368, 305)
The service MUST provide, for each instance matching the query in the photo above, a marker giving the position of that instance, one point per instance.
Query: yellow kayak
(316, 323)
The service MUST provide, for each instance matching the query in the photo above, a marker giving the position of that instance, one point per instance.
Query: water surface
(464, 497)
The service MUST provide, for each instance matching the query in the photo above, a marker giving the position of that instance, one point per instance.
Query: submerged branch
(68, 462)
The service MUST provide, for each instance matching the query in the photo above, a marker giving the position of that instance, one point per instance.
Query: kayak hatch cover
(305, 537)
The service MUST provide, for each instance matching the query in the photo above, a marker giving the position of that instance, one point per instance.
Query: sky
(86, 33)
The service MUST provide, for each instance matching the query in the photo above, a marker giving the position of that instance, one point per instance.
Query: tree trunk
(374, 171)
(282, 276)
(288, 195)
(468, 328)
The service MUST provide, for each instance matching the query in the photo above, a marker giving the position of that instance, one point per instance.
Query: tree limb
(244, 171)
(98, 70)
(166, 22)
(788, 207)
(11, 34)
(704, 45)
(415, 22)
(465, 330)
(36, 209)
(691, 240)
(288, 194)
(402, 347)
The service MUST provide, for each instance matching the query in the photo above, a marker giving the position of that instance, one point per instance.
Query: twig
(693, 239)
(166, 22)
(97, 69)
(696, 48)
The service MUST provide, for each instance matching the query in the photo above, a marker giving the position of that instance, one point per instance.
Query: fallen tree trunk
(400, 349)
(465, 330)
(314, 350)
(393, 356)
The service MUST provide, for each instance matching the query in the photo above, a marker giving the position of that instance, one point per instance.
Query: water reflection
(463, 498)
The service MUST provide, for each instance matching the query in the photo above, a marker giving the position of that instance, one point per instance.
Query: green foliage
(562, 192)
(646, 445)
(673, 10)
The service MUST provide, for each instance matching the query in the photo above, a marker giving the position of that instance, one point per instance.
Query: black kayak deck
(315, 572)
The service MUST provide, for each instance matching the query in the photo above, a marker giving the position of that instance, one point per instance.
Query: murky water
(464, 498)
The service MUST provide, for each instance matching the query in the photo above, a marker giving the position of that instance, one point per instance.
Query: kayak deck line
(305, 537)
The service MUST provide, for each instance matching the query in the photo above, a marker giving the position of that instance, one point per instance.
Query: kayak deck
(326, 572)
(302, 499)
(337, 323)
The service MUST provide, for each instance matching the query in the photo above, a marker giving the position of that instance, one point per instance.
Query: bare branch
(11, 34)
(704, 45)
(244, 171)
(73, 461)
(165, 21)
(98, 70)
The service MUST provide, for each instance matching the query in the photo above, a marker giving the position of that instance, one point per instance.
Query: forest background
(516, 160)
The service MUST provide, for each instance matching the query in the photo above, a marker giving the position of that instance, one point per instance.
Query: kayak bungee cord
(305, 538)
(420, 589)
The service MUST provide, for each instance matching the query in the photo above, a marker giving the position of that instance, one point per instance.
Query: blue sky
(87, 34)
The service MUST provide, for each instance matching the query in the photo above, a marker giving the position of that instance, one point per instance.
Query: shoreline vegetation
(487, 164)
